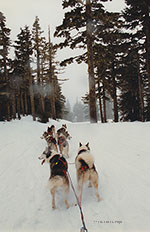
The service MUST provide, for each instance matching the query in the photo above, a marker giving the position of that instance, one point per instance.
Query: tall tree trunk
(147, 31)
(42, 103)
(22, 103)
(104, 103)
(18, 105)
(114, 95)
(8, 110)
(32, 102)
(42, 100)
(13, 103)
(100, 103)
(39, 83)
(5, 64)
(31, 93)
(147, 47)
(26, 102)
(140, 93)
(51, 79)
(92, 94)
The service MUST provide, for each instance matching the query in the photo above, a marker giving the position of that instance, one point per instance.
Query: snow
(121, 154)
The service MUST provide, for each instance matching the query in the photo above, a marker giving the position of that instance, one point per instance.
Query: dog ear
(87, 145)
(80, 144)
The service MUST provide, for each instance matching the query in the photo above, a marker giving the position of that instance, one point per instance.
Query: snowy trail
(121, 153)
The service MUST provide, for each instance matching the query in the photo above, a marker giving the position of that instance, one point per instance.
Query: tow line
(83, 228)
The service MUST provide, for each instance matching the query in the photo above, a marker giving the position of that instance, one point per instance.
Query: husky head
(64, 126)
(47, 155)
(44, 135)
(51, 129)
(84, 147)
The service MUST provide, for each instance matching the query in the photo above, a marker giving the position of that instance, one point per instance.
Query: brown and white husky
(63, 144)
(58, 174)
(51, 141)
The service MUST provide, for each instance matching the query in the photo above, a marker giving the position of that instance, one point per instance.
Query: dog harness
(61, 140)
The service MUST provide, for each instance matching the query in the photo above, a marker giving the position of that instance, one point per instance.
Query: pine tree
(137, 16)
(38, 47)
(68, 115)
(53, 97)
(110, 47)
(78, 112)
(78, 29)
(52, 81)
(4, 69)
(22, 69)
(129, 99)
(5, 45)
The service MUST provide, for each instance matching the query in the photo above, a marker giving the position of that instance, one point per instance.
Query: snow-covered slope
(122, 158)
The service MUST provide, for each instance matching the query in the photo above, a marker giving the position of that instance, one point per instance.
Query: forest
(114, 45)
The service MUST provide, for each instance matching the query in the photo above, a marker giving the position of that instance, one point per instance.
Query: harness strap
(84, 168)
(61, 140)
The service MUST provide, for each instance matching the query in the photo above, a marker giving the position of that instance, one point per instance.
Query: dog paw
(99, 199)
(53, 207)
(67, 205)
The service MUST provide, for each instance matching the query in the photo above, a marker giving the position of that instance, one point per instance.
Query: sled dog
(58, 174)
(85, 169)
(51, 141)
(63, 144)
(63, 130)
(51, 131)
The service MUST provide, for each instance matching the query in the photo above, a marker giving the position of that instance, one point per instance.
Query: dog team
(84, 164)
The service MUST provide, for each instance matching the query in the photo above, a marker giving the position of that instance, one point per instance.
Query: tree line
(79, 112)
(29, 83)
(115, 46)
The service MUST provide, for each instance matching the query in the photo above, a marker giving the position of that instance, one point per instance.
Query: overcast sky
(19, 13)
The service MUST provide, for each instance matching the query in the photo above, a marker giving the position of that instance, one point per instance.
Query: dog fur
(51, 141)
(85, 169)
(58, 174)
(63, 130)
(63, 145)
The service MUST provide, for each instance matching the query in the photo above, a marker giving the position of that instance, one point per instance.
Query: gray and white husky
(85, 170)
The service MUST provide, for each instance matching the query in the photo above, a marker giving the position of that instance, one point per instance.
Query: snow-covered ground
(122, 158)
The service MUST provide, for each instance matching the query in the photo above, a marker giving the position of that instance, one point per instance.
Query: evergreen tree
(78, 112)
(38, 41)
(22, 70)
(59, 100)
(53, 97)
(4, 69)
(52, 81)
(108, 59)
(68, 115)
(4, 48)
(137, 17)
(77, 29)
(129, 100)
